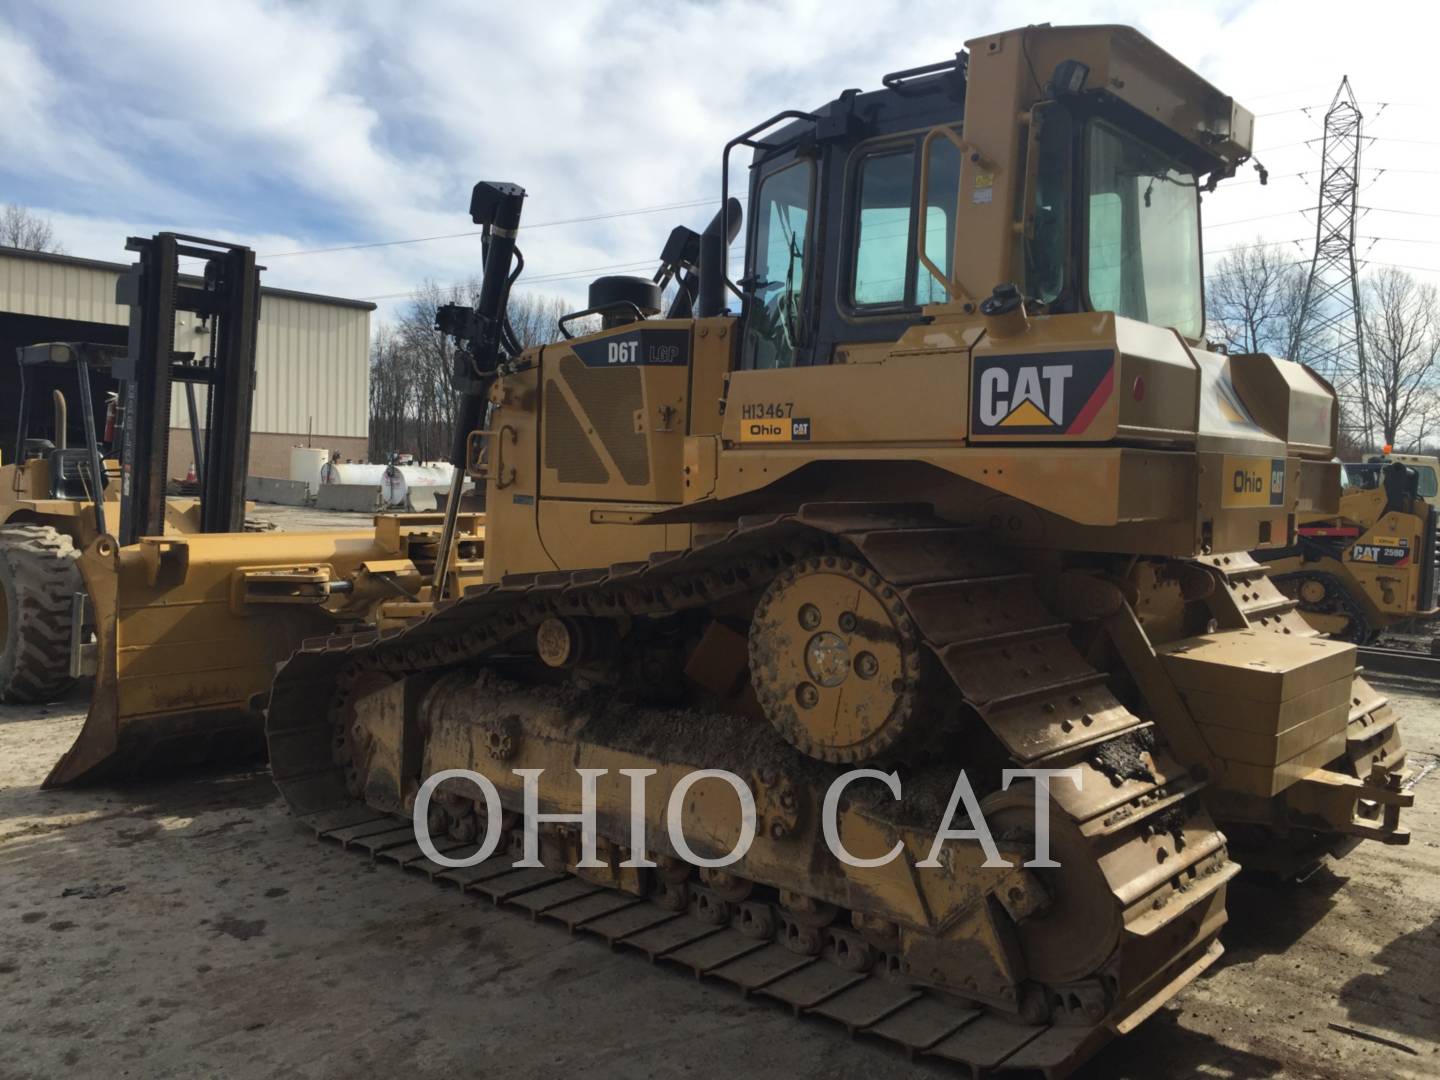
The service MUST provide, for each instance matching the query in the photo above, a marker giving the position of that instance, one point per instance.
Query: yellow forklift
(74, 479)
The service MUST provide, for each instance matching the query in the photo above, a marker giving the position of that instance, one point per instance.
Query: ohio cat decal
(1040, 393)
(1252, 481)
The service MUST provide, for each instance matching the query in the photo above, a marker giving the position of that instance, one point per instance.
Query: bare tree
(536, 319)
(1401, 321)
(27, 230)
(1253, 301)
(412, 367)
(1425, 423)
(391, 392)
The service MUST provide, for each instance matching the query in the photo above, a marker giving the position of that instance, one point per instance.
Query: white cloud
(301, 126)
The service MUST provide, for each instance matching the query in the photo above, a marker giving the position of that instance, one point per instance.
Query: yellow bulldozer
(1371, 566)
(945, 480)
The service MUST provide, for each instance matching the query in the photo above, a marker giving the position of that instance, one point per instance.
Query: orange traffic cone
(190, 477)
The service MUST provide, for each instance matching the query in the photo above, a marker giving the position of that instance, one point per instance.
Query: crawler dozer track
(1073, 954)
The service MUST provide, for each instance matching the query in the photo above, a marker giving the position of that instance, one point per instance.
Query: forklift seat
(70, 475)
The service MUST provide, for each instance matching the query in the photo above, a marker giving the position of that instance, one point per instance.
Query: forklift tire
(39, 576)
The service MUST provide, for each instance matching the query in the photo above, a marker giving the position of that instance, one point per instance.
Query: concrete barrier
(355, 498)
(270, 489)
(424, 500)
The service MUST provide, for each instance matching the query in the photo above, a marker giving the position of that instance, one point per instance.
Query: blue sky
(292, 127)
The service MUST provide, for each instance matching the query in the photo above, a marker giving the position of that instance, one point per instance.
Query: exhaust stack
(714, 241)
(480, 331)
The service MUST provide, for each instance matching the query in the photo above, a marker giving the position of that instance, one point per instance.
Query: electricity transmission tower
(1329, 331)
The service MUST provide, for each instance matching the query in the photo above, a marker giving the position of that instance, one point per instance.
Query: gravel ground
(190, 929)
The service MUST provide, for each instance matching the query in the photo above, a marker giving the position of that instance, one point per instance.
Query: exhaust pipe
(62, 421)
(497, 207)
(715, 241)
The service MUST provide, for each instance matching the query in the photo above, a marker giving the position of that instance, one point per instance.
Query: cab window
(777, 275)
(1144, 232)
(1429, 483)
(882, 246)
(886, 270)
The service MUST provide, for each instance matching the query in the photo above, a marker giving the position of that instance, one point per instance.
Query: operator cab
(854, 211)
(849, 182)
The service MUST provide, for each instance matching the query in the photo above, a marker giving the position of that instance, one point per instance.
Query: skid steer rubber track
(39, 578)
(1337, 601)
(1010, 660)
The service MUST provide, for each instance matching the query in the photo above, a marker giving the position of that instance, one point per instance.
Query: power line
(1412, 142)
(1268, 180)
(1370, 141)
(1378, 170)
(1261, 217)
(1397, 240)
(1282, 146)
(559, 275)
(1408, 213)
(1307, 108)
(1266, 243)
(1402, 266)
(541, 279)
(475, 232)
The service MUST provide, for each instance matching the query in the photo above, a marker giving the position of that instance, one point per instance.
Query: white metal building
(312, 376)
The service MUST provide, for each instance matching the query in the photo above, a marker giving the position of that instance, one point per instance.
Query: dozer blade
(181, 665)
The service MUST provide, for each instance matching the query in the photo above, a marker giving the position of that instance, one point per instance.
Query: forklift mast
(228, 298)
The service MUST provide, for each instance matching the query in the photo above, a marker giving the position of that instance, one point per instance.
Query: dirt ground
(191, 929)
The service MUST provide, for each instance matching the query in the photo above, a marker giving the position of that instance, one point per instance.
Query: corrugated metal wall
(312, 366)
(59, 290)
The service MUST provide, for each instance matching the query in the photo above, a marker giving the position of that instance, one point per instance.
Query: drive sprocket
(835, 659)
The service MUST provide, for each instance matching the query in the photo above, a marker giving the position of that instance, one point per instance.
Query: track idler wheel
(835, 659)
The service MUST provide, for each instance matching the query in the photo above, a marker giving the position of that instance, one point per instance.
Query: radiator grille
(567, 447)
(610, 398)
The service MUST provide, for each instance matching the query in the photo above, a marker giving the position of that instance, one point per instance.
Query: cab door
(778, 252)
(833, 282)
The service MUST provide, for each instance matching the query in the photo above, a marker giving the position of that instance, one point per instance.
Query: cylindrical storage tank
(393, 488)
(394, 481)
(428, 474)
(306, 463)
(336, 472)
(385, 478)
